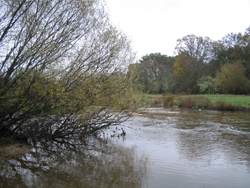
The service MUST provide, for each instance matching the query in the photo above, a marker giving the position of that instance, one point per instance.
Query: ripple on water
(196, 148)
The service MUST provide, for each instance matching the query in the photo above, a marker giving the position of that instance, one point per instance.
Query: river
(162, 148)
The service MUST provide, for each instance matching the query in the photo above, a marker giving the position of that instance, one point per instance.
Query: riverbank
(207, 101)
(10, 149)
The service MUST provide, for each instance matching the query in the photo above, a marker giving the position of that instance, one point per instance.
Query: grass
(242, 101)
(207, 101)
(153, 100)
(235, 100)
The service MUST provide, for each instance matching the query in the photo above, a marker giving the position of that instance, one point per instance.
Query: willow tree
(62, 69)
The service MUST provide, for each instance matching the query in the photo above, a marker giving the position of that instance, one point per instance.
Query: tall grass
(168, 100)
(194, 102)
(186, 102)
(155, 100)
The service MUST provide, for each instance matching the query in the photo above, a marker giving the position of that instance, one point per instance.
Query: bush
(231, 79)
(156, 101)
(153, 101)
(168, 100)
(187, 102)
(206, 85)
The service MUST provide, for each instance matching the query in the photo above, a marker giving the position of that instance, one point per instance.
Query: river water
(162, 148)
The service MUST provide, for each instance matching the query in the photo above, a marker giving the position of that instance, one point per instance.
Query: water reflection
(73, 163)
(162, 148)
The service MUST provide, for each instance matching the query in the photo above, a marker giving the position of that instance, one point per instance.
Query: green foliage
(154, 73)
(197, 61)
(177, 68)
(206, 85)
(187, 70)
(193, 54)
(234, 47)
(159, 58)
(231, 79)
(198, 57)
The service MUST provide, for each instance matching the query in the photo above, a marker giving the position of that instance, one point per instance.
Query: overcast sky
(155, 25)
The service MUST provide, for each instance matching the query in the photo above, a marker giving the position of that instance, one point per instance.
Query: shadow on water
(73, 163)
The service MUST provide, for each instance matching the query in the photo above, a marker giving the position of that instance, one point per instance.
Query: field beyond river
(205, 101)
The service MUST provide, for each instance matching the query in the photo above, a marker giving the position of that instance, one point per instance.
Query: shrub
(157, 101)
(168, 100)
(187, 102)
(231, 79)
(153, 101)
(206, 85)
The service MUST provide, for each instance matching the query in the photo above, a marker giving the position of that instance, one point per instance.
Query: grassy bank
(153, 100)
(212, 102)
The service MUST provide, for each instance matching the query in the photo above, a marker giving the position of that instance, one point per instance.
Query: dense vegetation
(200, 66)
(62, 69)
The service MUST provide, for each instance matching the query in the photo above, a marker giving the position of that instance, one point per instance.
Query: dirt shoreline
(9, 151)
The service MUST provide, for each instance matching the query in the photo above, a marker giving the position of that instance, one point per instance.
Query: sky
(153, 26)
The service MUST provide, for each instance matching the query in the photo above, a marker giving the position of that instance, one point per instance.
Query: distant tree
(187, 71)
(154, 73)
(193, 55)
(195, 47)
(61, 69)
(231, 79)
(234, 47)
(159, 58)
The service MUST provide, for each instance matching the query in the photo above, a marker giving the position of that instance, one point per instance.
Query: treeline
(200, 66)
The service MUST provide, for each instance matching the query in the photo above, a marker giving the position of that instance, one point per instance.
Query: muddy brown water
(162, 148)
